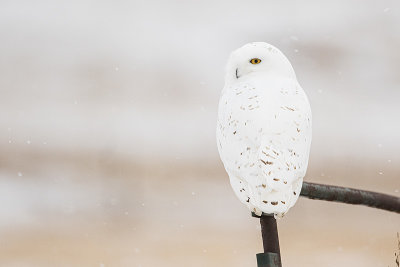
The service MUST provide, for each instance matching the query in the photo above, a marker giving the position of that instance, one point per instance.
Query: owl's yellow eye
(255, 61)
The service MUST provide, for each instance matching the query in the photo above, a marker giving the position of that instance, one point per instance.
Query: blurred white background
(107, 131)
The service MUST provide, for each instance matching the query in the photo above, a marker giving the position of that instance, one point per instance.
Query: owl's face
(257, 58)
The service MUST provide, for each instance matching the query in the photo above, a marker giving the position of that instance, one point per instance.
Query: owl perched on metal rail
(264, 129)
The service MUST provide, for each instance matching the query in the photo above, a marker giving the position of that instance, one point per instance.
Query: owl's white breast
(255, 107)
(256, 113)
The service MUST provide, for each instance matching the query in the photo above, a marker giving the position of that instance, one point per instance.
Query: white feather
(264, 129)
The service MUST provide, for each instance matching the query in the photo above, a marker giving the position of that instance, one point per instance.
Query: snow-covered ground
(107, 130)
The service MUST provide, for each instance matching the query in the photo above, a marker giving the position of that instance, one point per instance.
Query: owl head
(258, 58)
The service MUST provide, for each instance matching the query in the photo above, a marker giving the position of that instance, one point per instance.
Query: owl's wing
(283, 156)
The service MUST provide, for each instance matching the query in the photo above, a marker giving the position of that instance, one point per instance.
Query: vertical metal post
(269, 231)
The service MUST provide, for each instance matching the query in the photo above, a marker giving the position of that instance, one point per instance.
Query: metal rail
(272, 255)
(269, 230)
(350, 196)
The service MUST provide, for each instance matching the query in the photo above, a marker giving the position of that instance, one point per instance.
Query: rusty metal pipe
(271, 256)
(350, 196)
(269, 231)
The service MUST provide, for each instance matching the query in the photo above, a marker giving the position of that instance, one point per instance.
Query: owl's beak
(237, 75)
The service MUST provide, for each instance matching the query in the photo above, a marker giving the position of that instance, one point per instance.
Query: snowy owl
(264, 129)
